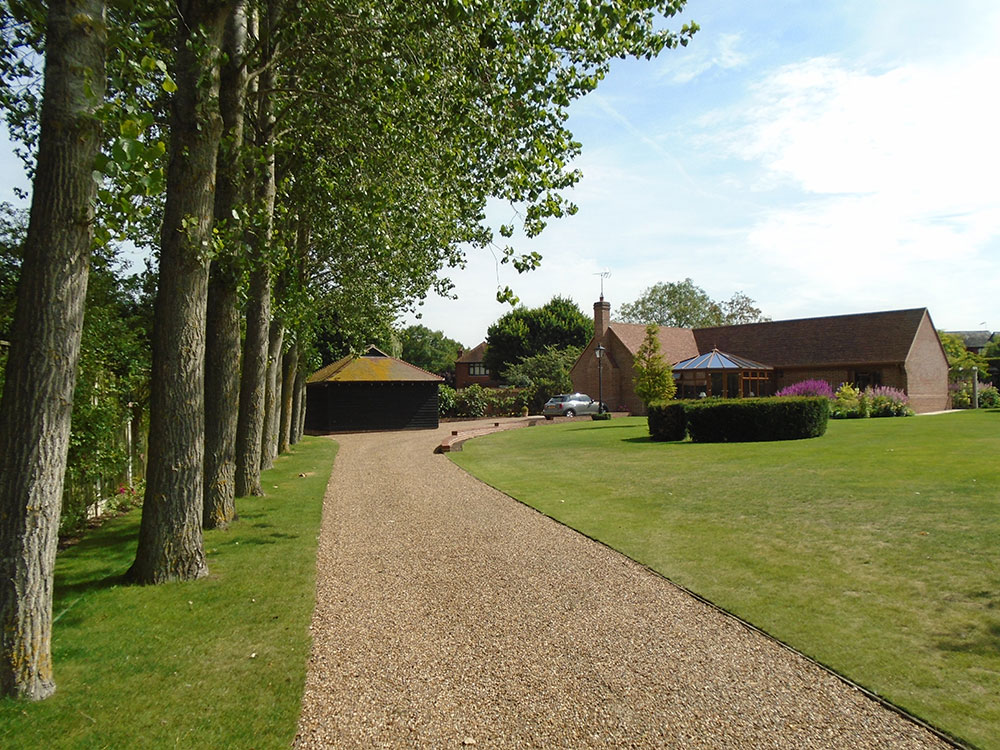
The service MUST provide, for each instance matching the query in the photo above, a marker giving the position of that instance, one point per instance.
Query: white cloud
(709, 53)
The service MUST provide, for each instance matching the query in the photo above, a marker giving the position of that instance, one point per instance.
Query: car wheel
(569, 413)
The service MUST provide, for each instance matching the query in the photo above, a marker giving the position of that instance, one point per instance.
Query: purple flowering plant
(808, 388)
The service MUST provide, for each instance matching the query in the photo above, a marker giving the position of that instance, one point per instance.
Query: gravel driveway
(449, 615)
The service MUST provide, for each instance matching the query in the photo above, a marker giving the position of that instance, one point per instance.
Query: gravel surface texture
(449, 615)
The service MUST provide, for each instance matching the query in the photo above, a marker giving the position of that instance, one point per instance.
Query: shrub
(808, 388)
(601, 417)
(472, 402)
(757, 419)
(847, 403)
(447, 400)
(667, 420)
(884, 401)
(961, 395)
(989, 397)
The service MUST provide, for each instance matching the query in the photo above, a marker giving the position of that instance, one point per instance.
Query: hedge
(757, 419)
(667, 420)
(739, 420)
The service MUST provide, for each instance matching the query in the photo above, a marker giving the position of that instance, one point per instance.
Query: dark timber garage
(371, 392)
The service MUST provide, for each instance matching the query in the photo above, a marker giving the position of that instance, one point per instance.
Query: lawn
(873, 549)
(214, 663)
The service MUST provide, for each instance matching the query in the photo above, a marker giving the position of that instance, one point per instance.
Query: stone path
(449, 615)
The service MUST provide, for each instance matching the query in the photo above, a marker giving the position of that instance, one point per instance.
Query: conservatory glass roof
(716, 360)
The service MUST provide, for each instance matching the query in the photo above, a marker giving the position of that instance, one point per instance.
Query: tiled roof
(974, 339)
(675, 343)
(879, 337)
(474, 355)
(374, 367)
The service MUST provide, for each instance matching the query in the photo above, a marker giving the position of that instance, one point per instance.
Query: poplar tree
(45, 347)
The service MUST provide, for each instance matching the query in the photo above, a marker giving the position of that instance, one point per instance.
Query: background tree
(544, 374)
(652, 375)
(961, 360)
(525, 332)
(431, 350)
(685, 305)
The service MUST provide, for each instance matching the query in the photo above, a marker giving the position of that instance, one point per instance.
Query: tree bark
(48, 323)
(300, 391)
(170, 539)
(272, 397)
(222, 337)
(253, 381)
(289, 366)
(298, 407)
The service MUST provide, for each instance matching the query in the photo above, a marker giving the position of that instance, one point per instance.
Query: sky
(823, 158)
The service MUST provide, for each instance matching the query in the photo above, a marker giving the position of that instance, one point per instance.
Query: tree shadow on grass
(983, 641)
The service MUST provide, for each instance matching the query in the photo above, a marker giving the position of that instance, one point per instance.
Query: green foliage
(757, 419)
(667, 421)
(684, 305)
(848, 403)
(447, 401)
(544, 374)
(961, 395)
(523, 333)
(992, 349)
(652, 375)
(431, 350)
(472, 402)
(960, 360)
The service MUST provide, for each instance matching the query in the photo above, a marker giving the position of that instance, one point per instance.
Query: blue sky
(821, 157)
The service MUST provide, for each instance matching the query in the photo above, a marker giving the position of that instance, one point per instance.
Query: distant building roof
(374, 366)
(974, 339)
(474, 355)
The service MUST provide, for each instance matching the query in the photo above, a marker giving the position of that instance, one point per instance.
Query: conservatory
(722, 375)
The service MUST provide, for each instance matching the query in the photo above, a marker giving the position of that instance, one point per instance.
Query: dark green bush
(601, 417)
(667, 420)
(757, 419)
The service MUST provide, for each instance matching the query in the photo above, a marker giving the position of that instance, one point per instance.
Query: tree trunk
(253, 383)
(272, 397)
(170, 539)
(300, 390)
(222, 337)
(289, 366)
(298, 407)
(44, 352)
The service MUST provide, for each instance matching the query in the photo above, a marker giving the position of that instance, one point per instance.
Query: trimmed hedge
(757, 419)
(739, 420)
(667, 420)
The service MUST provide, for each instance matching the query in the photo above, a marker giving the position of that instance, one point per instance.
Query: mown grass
(873, 549)
(214, 663)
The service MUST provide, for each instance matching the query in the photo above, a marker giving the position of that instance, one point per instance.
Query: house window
(865, 378)
(478, 368)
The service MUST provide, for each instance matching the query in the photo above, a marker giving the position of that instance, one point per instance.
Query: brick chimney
(602, 317)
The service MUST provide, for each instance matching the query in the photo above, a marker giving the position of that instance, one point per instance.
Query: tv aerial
(604, 275)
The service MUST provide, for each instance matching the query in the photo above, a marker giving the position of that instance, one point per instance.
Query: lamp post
(975, 387)
(599, 351)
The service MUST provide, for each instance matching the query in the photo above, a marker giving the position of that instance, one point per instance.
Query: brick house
(469, 369)
(898, 348)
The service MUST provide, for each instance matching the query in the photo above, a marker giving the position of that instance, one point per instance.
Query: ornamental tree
(652, 375)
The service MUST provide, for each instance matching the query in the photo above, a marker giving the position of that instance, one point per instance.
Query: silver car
(571, 404)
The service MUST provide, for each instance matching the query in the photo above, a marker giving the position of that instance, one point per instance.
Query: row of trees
(282, 158)
(683, 304)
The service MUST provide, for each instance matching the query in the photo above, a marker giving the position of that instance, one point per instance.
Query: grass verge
(872, 549)
(214, 663)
